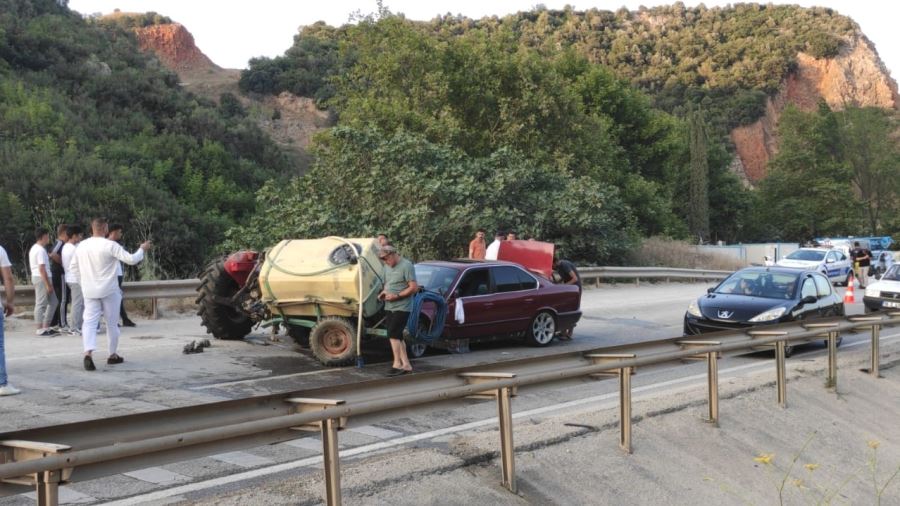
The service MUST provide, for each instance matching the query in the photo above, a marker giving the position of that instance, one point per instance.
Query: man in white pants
(94, 264)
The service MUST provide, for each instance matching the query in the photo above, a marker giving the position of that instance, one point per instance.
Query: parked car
(760, 296)
(884, 293)
(832, 263)
(500, 299)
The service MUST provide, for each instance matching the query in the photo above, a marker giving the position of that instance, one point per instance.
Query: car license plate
(890, 304)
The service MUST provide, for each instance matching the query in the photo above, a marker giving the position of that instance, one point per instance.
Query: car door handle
(529, 300)
(488, 304)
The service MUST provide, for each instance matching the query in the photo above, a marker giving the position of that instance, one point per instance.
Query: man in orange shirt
(477, 246)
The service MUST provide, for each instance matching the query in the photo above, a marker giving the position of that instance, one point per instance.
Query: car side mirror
(809, 299)
(710, 289)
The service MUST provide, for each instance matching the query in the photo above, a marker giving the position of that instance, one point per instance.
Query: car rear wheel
(788, 350)
(415, 348)
(542, 329)
(333, 341)
(837, 343)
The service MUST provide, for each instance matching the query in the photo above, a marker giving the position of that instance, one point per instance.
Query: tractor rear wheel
(223, 321)
(333, 341)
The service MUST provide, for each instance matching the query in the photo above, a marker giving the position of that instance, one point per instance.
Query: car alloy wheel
(543, 328)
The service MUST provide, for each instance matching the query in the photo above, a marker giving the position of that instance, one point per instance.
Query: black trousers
(58, 286)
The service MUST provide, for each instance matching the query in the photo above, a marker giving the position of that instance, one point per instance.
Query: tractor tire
(333, 341)
(222, 321)
(300, 335)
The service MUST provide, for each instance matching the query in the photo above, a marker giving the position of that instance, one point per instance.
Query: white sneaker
(8, 389)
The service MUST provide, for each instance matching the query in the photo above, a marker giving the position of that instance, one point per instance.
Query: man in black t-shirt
(569, 276)
(861, 261)
(56, 275)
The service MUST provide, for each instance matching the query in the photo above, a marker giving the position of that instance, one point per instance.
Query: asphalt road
(156, 375)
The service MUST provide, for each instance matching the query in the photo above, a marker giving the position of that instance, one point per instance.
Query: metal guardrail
(43, 458)
(638, 273)
(183, 288)
(153, 290)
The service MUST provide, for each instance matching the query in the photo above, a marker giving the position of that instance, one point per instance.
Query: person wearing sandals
(6, 309)
(399, 288)
(94, 264)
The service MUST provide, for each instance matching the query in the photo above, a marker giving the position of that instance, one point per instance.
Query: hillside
(90, 125)
(742, 64)
(288, 119)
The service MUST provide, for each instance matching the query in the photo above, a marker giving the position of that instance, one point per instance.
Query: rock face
(856, 77)
(174, 45)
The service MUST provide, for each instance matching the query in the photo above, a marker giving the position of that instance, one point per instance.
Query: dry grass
(663, 252)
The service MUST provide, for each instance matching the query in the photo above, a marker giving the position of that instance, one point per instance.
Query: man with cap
(399, 288)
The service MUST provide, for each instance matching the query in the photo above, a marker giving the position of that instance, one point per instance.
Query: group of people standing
(84, 272)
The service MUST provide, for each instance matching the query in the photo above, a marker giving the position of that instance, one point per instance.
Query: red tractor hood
(533, 255)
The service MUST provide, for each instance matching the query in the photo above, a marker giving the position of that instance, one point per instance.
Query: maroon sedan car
(500, 299)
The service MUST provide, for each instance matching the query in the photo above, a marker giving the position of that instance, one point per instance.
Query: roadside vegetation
(91, 126)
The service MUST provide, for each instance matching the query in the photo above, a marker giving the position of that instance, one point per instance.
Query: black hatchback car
(763, 295)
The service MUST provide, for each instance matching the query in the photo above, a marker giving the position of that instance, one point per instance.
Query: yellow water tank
(320, 277)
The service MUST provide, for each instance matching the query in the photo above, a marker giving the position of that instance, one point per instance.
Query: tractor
(324, 291)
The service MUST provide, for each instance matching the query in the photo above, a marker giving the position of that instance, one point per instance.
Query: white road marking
(263, 378)
(374, 431)
(67, 495)
(157, 475)
(242, 459)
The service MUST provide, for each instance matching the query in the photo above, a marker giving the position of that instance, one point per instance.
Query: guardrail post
(48, 488)
(504, 416)
(831, 338)
(624, 374)
(329, 429)
(780, 373)
(154, 308)
(46, 483)
(876, 337)
(712, 376)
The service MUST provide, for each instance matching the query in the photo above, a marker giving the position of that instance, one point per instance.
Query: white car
(832, 263)
(884, 293)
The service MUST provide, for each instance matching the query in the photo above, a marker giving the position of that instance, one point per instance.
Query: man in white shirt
(493, 249)
(45, 301)
(75, 234)
(94, 264)
(6, 309)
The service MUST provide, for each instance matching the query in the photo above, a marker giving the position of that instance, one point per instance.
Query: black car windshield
(807, 255)
(434, 278)
(892, 274)
(770, 285)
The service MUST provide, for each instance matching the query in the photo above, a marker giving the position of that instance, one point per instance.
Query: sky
(231, 32)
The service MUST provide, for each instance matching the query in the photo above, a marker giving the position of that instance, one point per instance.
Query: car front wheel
(542, 329)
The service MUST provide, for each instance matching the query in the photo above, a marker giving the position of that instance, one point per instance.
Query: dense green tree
(698, 219)
(429, 198)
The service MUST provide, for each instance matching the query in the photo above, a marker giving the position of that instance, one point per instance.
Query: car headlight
(769, 315)
(873, 292)
(694, 310)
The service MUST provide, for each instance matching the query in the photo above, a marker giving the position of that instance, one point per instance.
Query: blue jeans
(2, 353)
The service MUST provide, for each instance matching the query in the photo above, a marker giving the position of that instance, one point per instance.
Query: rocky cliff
(856, 77)
(290, 120)
(174, 45)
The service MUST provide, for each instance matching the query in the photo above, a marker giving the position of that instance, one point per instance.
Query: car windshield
(807, 255)
(892, 274)
(434, 278)
(770, 285)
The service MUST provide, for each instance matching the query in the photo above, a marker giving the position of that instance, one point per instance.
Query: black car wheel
(542, 329)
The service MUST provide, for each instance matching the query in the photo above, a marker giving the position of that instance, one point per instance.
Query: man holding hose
(399, 288)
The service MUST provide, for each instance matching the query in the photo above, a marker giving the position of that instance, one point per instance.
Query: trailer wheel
(333, 341)
(221, 320)
(299, 334)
